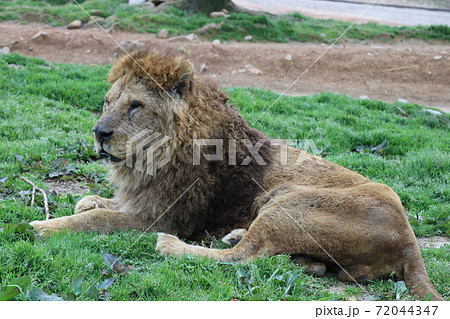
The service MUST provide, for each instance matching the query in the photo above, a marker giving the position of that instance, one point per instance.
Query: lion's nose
(102, 134)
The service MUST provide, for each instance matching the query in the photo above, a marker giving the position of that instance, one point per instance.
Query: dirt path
(413, 71)
(348, 11)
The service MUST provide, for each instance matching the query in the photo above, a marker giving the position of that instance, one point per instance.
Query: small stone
(433, 112)
(369, 53)
(250, 68)
(203, 68)
(128, 46)
(147, 5)
(94, 21)
(5, 50)
(41, 35)
(402, 100)
(74, 25)
(288, 57)
(233, 72)
(192, 37)
(184, 38)
(242, 70)
(163, 34)
(219, 14)
(210, 26)
(96, 12)
(364, 97)
(135, 2)
(87, 51)
(216, 42)
(248, 37)
(323, 35)
(438, 57)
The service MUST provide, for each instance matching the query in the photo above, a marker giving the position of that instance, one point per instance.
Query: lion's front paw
(39, 226)
(234, 237)
(169, 245)
(88, 203)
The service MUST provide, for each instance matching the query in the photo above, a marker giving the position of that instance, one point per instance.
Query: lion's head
(149, 92)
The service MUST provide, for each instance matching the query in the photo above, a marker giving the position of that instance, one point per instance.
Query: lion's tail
(416, 278)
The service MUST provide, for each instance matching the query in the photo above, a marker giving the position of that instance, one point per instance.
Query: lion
(213, 173)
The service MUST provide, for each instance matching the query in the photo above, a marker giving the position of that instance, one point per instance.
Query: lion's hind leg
(362, 274)
(318, 269)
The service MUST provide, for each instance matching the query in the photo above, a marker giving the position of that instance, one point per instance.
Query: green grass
(295, 27)
(46, 117)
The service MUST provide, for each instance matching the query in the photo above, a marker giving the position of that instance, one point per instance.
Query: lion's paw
(89, 202)
(169, 245)
(234, 237)
(39, 226)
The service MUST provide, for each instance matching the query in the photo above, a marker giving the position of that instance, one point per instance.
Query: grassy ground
(294, 27)
(46, 117)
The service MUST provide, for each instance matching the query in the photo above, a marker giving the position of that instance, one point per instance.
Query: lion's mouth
(104, 154)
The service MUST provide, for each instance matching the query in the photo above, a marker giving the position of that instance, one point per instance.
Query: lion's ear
(185, 73)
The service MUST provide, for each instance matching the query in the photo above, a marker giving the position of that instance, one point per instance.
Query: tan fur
(314, 209)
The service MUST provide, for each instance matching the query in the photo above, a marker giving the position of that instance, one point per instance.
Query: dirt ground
(412, 70)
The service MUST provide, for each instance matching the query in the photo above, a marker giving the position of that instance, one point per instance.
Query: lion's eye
(175, 91)
(134, 105)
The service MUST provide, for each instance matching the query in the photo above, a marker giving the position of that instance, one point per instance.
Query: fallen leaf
(114, 262)
(37, 294)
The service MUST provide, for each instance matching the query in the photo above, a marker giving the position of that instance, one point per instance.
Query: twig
(46, 210)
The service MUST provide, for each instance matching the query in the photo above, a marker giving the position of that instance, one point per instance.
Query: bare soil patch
(412, 70)
(65, 187)
(433, 242)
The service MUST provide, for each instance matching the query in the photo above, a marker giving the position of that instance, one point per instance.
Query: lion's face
(130, 108)
(149, 94)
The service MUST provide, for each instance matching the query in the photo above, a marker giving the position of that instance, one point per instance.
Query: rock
(74, 25)
(402, 100)
(216, 42)
(135, 2)
(288, 57)
(242, 70)
(41, 35)
(94, 20)
(96, 12)
(163, 34)
(219, 14)
(432, 112)
(206, 28)
(184, 38)
(248, 37)
(363, 97)
(203, 68)
(437, 57)
(191, 37)
(129, 46)
(147, 5)
(5, 50)
(253, 70)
